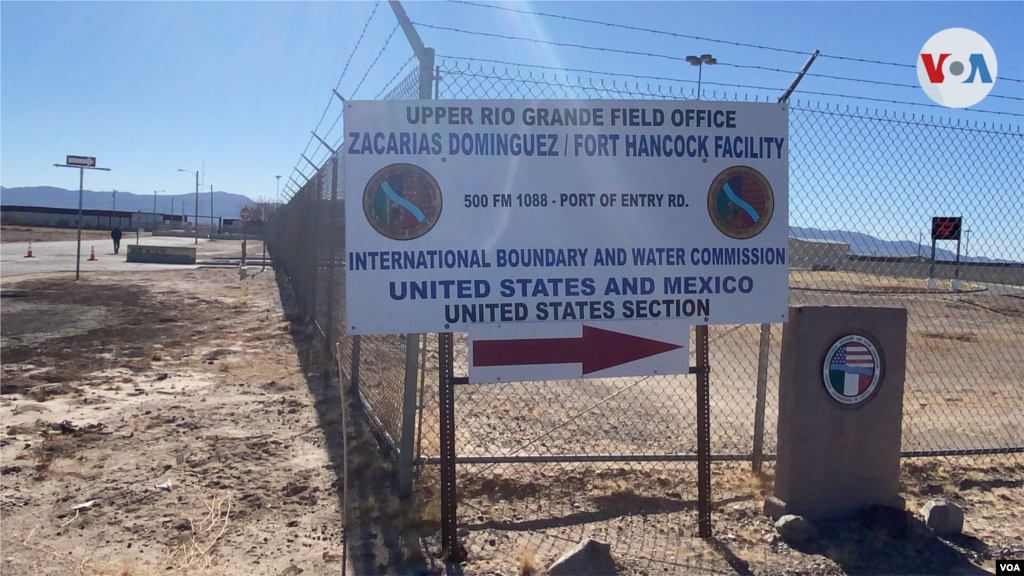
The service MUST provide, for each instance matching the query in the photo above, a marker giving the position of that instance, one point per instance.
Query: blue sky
(150, 87)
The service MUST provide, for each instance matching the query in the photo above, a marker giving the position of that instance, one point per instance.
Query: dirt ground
(37, 234)
(164, 425)
(178, 423)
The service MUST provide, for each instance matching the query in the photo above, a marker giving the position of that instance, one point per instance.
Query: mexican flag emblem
(852, 369)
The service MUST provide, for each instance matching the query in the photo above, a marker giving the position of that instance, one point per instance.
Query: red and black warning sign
(946, 227)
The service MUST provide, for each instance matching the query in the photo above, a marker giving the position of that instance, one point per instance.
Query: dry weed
(194, 554)
(527, 563)
(392, 508)
(371, 508)
(412, 547)
(759, 484)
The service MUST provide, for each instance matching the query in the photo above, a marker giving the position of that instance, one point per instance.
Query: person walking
(116, 235)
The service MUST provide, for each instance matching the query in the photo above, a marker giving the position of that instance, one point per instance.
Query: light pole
(967, 241)
(211, 212)
(196, 223)
(279, 190)
(699, 62)
(154, 199)
(113, 209)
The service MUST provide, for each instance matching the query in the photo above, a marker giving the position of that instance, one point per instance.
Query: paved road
(60, 256)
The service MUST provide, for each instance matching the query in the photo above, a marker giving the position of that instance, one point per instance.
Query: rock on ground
(589, 558)
(943, 516)
(795, 528)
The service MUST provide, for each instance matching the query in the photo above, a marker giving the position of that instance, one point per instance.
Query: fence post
(762, 384)
(409, 405)
(314, 251)
(426, 73)
(406, 456)
(703, 434)
(329, 328)
(451, 551)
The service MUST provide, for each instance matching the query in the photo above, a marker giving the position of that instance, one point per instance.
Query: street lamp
(699, 62)
(196, 223)
(279, 190)
(154, 199)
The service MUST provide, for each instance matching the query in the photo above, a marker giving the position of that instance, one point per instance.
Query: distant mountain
(867, 245)
(225, 204)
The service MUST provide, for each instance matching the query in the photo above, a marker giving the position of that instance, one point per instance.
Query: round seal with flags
(852, 370)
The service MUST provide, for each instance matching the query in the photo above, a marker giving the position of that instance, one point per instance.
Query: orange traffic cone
(29, 255)
(92, 253)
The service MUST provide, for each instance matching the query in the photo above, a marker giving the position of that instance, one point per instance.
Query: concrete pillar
(840, 411)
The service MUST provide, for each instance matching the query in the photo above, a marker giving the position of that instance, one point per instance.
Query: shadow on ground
(375, 525)
(893, 543)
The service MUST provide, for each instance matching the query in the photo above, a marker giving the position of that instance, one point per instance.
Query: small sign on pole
(946, 227)
(245, 213)
(88, 161)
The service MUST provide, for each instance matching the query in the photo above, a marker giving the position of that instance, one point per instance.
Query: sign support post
(703, 434)
(408, 442)
(80, 162)
(956, 271)
(451, 550)
(931, 266)
(757, 456)
(946, 228)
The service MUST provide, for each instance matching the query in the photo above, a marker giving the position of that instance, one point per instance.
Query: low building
(817, 254)
(91, 219)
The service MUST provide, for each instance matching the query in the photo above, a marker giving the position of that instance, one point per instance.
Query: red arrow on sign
(597, 350)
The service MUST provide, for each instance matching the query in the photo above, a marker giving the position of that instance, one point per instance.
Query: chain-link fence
(546, 462)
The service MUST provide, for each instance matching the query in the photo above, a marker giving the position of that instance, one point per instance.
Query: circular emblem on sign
(957, 68)
(402, 201)
(741, 202)
(852, 369)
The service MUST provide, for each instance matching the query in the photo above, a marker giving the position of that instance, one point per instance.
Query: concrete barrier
(840, 418)
(161, 254)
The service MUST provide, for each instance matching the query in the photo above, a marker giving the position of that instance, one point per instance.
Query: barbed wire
(374, 63)
(634, 28)
(606, 73)
(344, 70)
(365, 74)
(1002, 131)
(361, 34)
(552, 42)
(677, 58)
(615, 90)
(690, 36)
(897, 64)
(896, 84)
(906, 103)
(388, 83)
(843, 78)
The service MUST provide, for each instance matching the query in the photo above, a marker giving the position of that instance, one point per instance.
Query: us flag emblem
(852, 369)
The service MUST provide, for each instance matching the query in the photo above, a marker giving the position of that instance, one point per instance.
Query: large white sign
(540, 211)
